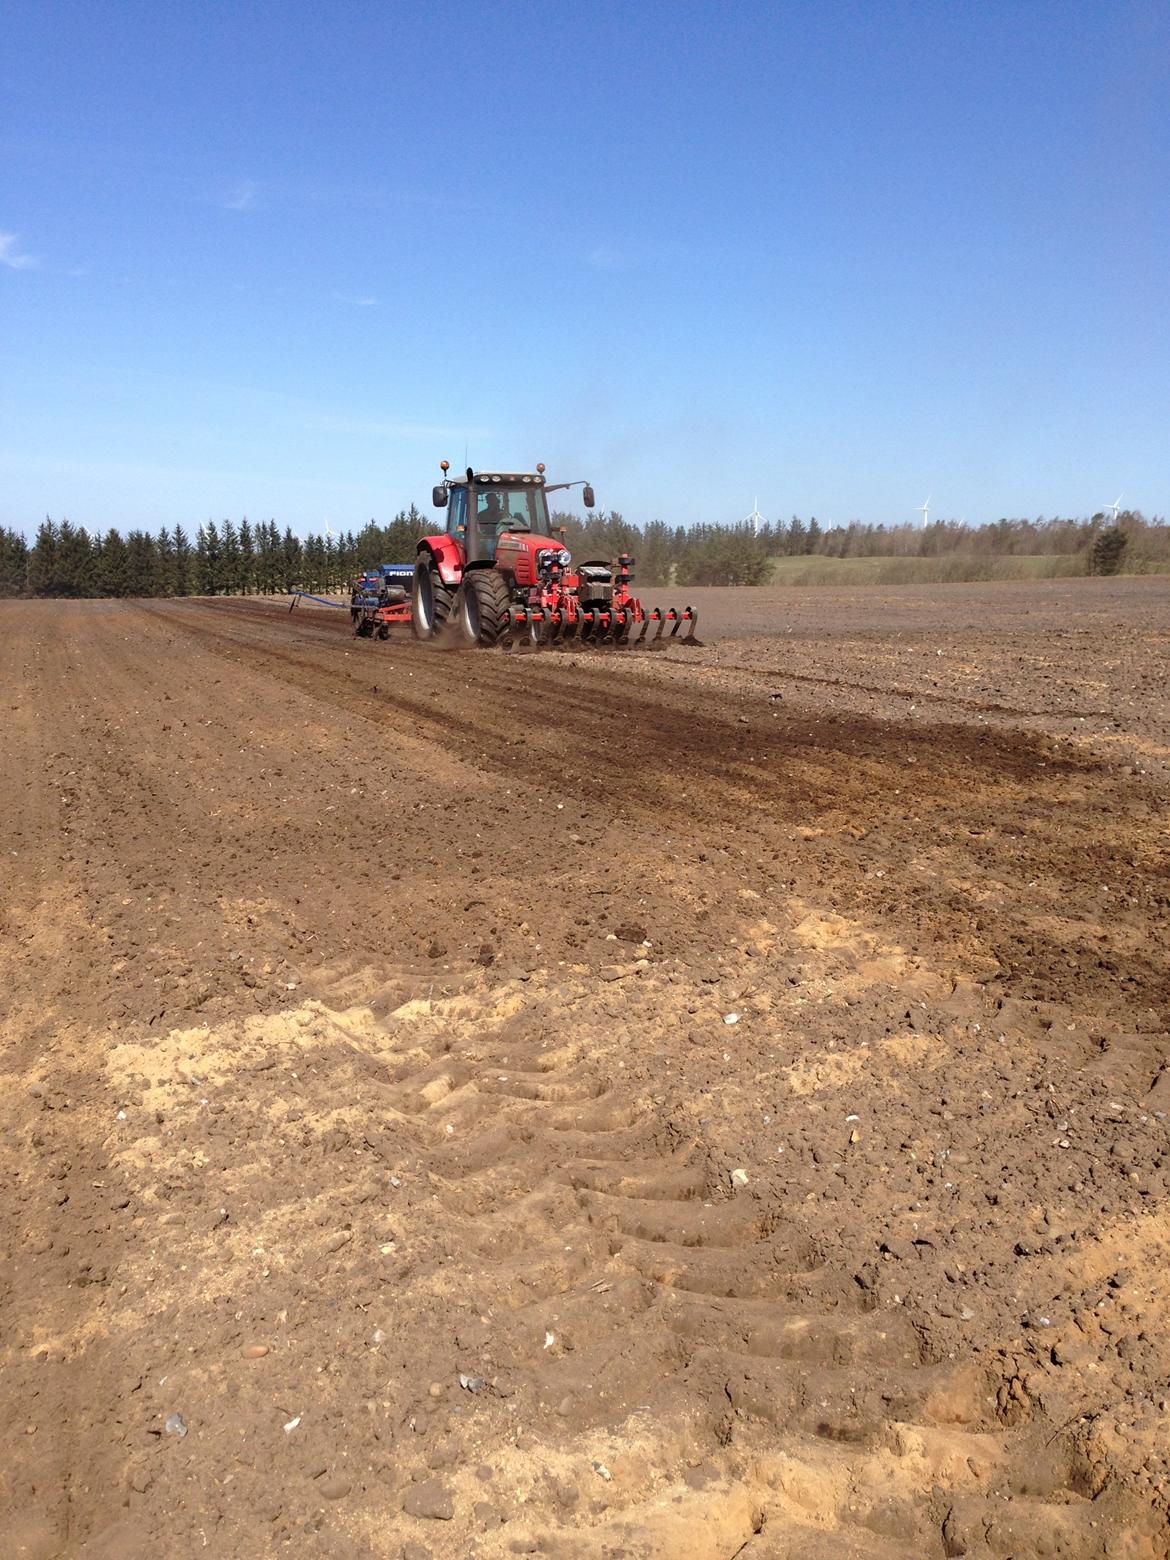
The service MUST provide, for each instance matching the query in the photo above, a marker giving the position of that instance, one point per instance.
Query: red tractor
(496, 576)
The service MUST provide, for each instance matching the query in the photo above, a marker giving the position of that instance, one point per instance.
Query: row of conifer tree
(246, 559)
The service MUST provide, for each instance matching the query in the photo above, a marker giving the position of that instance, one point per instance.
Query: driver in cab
(493, 513)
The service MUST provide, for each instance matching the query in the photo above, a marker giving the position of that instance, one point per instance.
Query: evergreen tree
(655, 560)
(1108, 550)
(13, 563)
(42, 565)
(229, 572)
(313, 563)
(184, 562)
(260, 561)
(273, 559)
(164, 565)
(290, 561)
(74, 565)
(349, 557)
(113, 571)
(247, 569)
(208, 560)
(140, 564)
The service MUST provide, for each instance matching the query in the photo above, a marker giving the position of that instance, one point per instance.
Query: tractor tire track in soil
(561, 1105)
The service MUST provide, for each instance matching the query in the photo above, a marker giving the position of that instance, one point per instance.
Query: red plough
(559, 614)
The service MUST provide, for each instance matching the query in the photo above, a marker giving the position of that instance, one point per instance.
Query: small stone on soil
(429, 1500)
(630, 931)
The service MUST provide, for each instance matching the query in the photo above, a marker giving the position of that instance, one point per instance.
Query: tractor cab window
(457, 514)
(511, 508)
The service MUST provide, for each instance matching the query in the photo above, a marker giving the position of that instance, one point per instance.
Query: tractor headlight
(550, 557)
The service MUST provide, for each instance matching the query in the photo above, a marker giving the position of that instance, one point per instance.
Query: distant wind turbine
(755, 519)
(1116, 506)
(924, 511)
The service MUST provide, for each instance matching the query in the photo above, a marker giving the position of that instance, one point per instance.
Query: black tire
(430, 600)
(482, 607)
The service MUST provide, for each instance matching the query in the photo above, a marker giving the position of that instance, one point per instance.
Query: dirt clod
(429, 1500)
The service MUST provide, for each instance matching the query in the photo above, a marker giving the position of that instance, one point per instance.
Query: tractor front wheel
(430, 600)
(483, 607)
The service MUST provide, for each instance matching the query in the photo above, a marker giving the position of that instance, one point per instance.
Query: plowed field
(670, 1107)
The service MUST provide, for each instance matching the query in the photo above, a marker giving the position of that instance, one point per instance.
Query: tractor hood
(519, 553)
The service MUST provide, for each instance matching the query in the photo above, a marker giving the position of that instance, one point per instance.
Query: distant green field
(812, 570)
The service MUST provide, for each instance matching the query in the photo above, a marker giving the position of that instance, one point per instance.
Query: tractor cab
(482, 506)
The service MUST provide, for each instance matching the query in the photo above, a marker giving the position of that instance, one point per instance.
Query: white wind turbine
(924, 511)
(755, 519)
(1116, 506)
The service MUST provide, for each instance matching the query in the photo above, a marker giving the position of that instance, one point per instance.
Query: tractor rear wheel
(483, 607)
(430, 600)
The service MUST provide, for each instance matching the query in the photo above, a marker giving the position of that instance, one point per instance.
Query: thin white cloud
(242, 197)
(361, 302)
(13, 256)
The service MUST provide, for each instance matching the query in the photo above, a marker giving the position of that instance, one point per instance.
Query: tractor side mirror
(439, 496)
(588, 496)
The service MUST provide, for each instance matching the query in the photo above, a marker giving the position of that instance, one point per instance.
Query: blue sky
(279, 259)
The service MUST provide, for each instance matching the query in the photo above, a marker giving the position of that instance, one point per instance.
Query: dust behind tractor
(496, 576)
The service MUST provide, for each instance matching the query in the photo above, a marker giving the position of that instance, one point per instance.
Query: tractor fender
(447, 555)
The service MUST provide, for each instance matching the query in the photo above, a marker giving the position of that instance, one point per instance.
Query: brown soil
(370, 1097)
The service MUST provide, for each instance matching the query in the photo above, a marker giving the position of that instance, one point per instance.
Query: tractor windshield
(505, 508)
